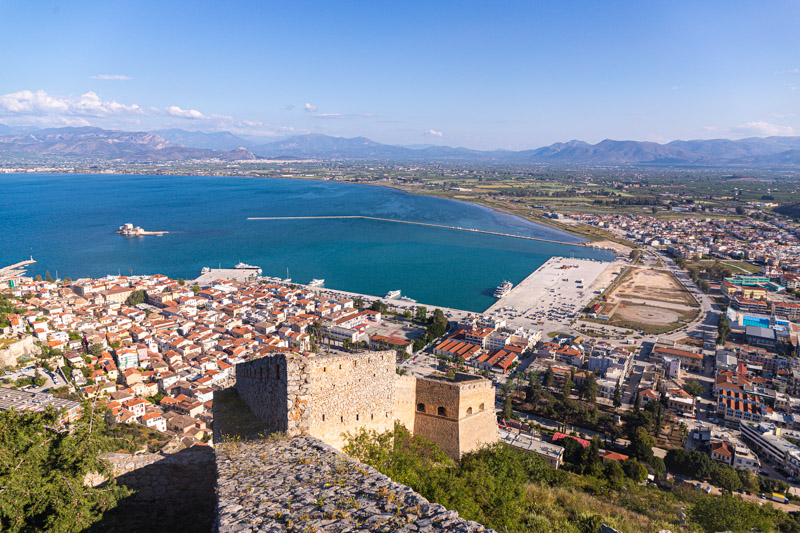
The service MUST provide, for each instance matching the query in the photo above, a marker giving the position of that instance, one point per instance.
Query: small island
(129, 230)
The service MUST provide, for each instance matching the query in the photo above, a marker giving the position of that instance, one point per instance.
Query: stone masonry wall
(405, 397)
(275, 390)
(350, 392)
(167, 490)
(322, 395)
(458, 416)
(303, 484)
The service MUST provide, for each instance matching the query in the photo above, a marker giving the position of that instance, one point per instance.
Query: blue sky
(478, 74)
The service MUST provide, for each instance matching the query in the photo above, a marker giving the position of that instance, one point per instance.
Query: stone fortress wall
(303, 484)
(328, 396)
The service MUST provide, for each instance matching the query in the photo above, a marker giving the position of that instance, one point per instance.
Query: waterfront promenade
(428, 224)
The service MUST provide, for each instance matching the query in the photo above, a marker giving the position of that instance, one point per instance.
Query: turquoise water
(67, 223)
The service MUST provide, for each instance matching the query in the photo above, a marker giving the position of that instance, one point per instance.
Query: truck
(779, 498)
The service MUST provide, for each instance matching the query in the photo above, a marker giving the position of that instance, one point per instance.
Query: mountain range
(181, 145)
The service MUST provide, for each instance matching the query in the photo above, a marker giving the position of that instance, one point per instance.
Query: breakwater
(427, 224)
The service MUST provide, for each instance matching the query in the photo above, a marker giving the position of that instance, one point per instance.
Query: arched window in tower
(469, 410)
(441, 411)
(421, 407)
(481, 407)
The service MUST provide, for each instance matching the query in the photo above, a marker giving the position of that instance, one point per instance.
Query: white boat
(316, 283)
(391, 295)
(407, 299)
(503, 289)
(245, 266)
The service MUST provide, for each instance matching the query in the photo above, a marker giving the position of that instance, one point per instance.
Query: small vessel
(503, 289)
(205, 270)
(391, 295)
(407, 299)
(316, 283)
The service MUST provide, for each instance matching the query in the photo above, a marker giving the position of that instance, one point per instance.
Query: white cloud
(191, 114)
(310, 108)
(710, 128)
(759, 127)
(40, 109)
(40, 103)
(433, 133)
(115, 77)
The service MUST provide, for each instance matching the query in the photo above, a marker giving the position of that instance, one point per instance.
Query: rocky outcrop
(303, 484)
(25, 346)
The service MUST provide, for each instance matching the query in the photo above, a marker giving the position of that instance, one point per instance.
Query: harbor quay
(545, 300)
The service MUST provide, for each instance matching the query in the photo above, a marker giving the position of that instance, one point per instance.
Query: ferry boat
(316, 283)
(391, 295)
(503, 289)
(245, 266)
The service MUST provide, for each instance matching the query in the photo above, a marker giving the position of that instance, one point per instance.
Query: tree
(42, 472)
(566, 388)
(592, 455)
(136, 298)
(634, 470)
(641, 446)
(67, 279)
(637, 402)
(726, 478)
(614, 473)
(695, 388)
(723, 329)
(549, 377)
(195, 289)
(590, 389)
(421, 313)
(37, 277)
(534, 387)
(617, 397)
(181, 281)
(48, 277)
(657, 464)
(96, 349)
(727, 513)
(508, 409)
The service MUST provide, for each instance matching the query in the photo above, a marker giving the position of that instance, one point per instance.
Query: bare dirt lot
(653, 285)
(646, 314)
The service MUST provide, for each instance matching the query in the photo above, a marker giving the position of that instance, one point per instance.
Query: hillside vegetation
(514, 491)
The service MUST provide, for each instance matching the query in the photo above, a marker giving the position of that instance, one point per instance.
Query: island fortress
(327, 396)
(129, 230)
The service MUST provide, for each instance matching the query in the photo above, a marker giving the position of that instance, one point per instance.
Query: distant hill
(222, 140)
(100, 144)
(180, 145)
(715, 152)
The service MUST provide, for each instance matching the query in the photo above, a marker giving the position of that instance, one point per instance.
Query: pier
(12, 269)
(428, 224)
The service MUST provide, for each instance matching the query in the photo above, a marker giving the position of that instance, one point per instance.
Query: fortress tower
(326, 396)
